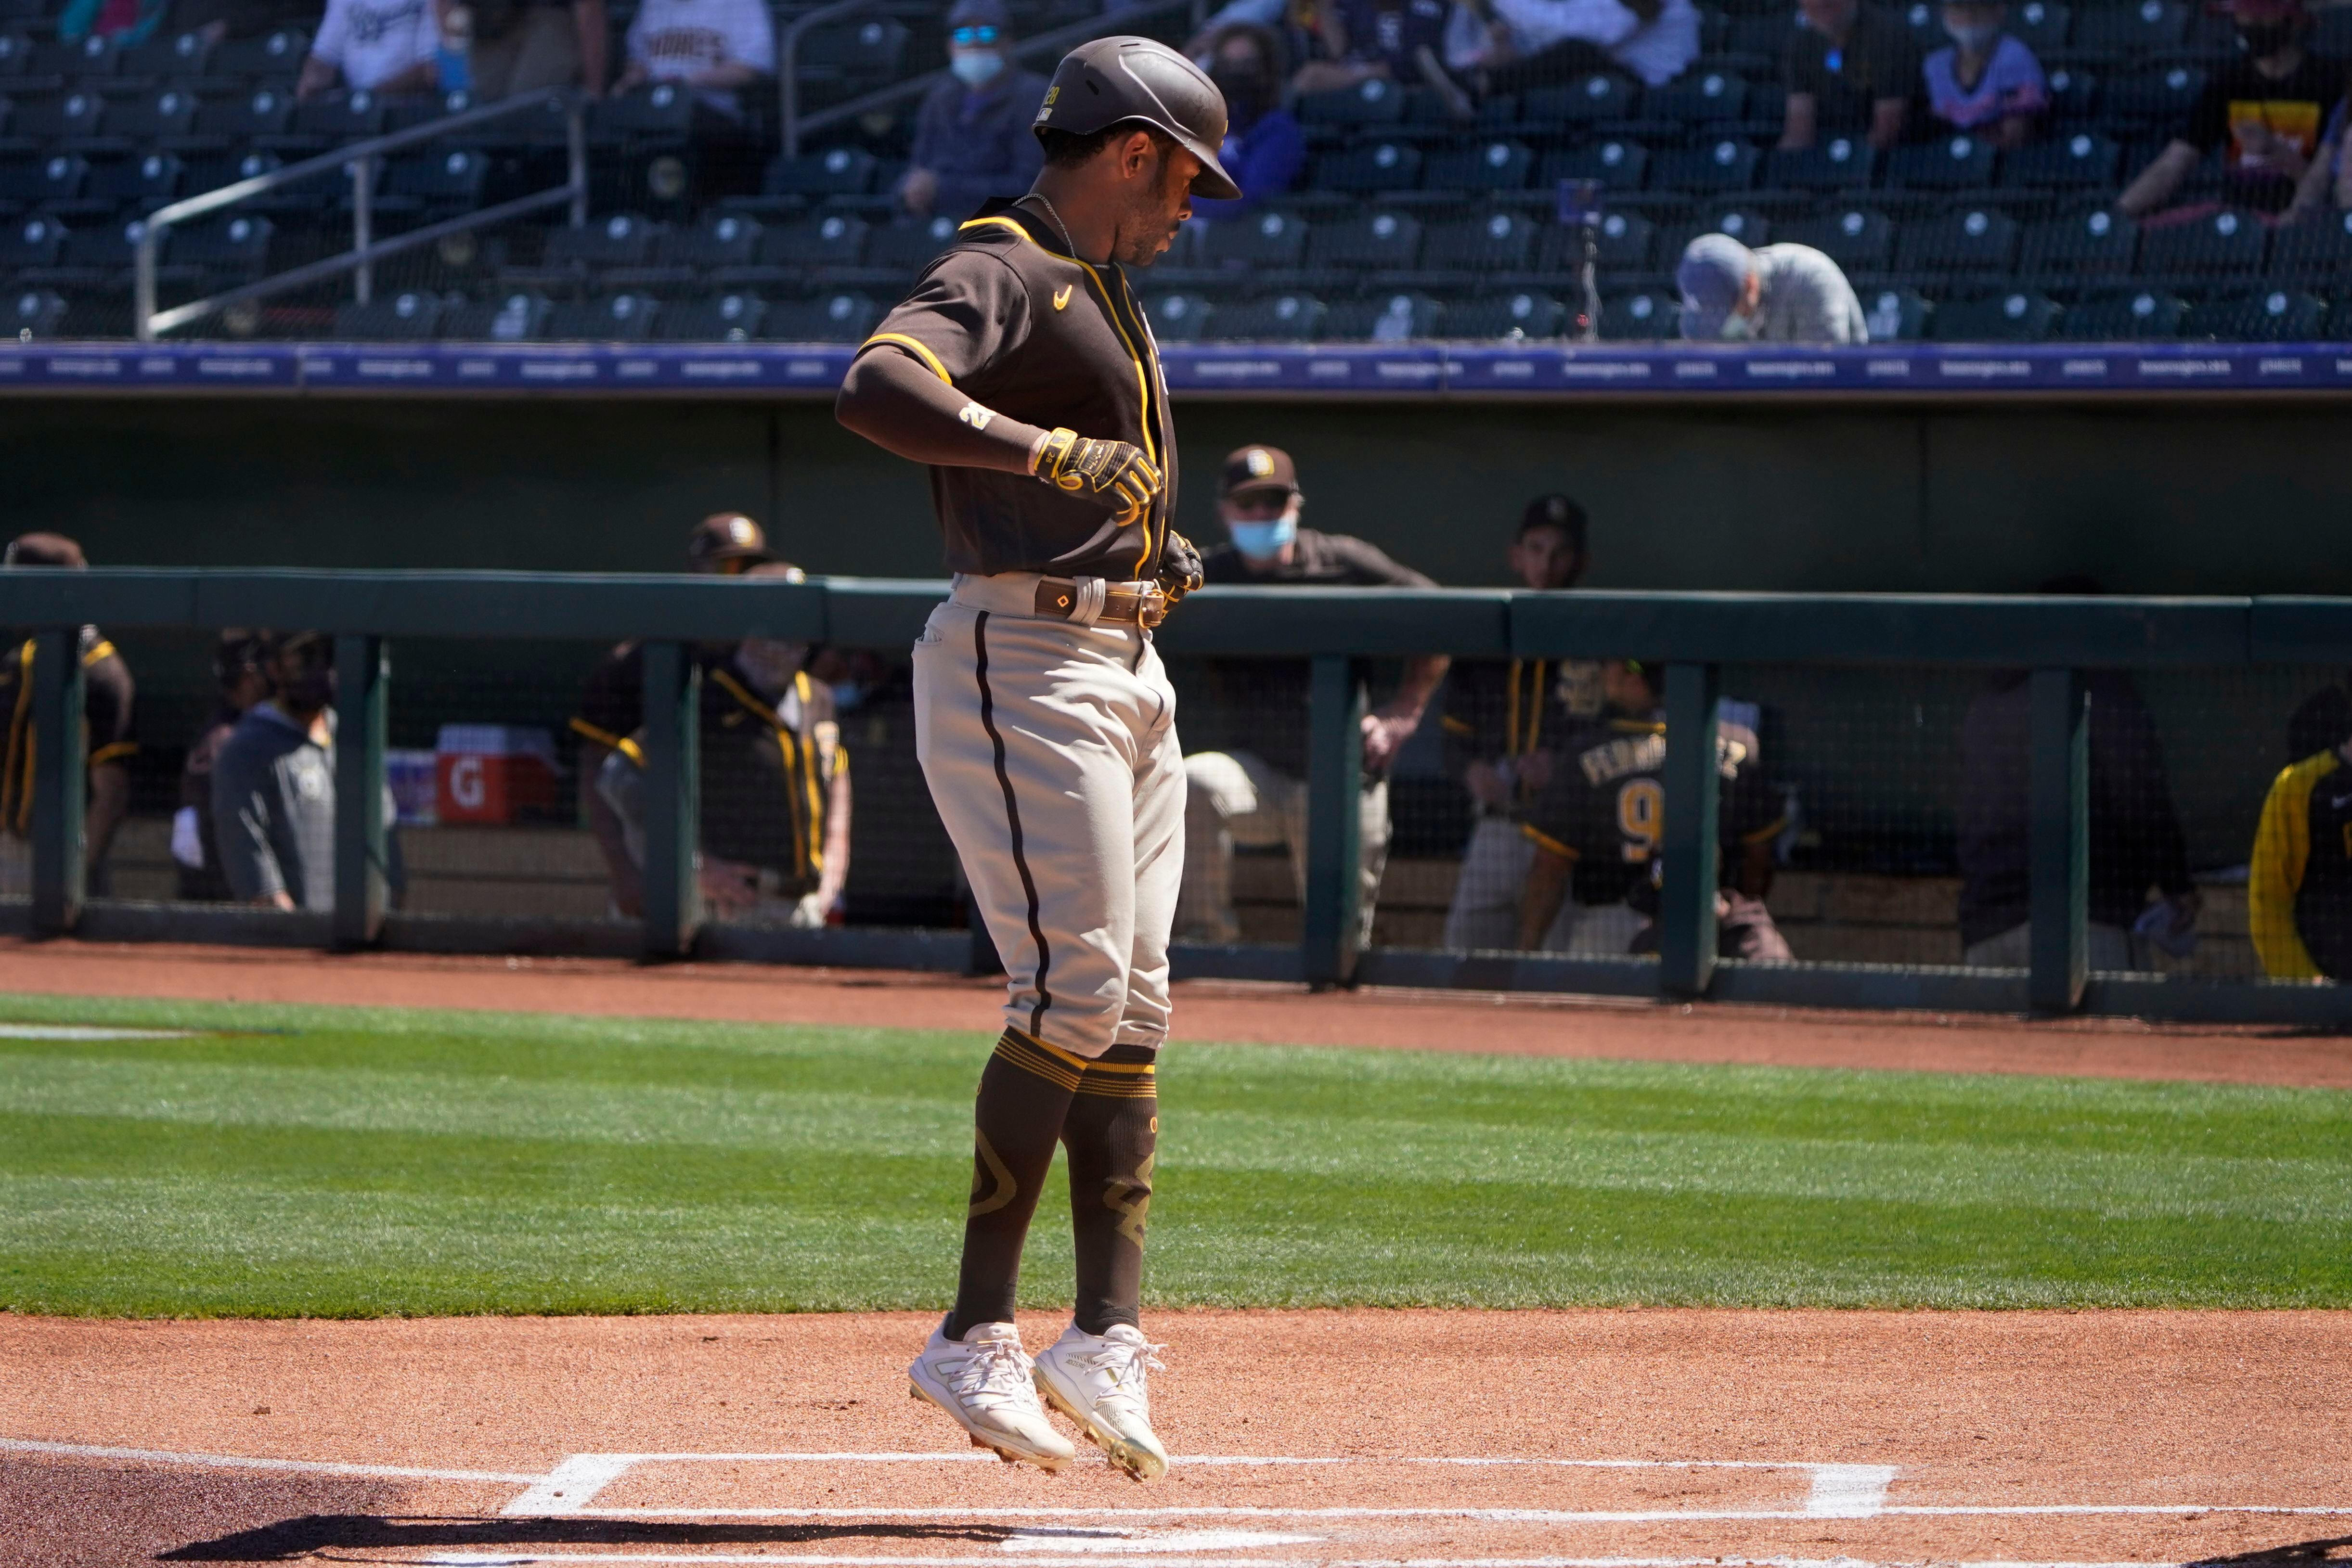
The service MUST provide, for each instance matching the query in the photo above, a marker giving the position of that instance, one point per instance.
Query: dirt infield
(1206, 1010)
(1440, 1440)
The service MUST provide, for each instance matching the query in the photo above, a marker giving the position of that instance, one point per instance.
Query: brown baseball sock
(1024, 1097)
(1111, 1131)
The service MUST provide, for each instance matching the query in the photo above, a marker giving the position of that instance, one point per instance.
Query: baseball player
(1599, 821)
(1022, 372)
(1250, 787)
(107, 693)
(774, 780)
(2299, 889)
(725, 544)
(1501, 722)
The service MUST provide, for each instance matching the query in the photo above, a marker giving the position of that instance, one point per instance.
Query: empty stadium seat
(1258, 240)
(2226, 241)
(31, 241)
(1498, 242)
(2012, 318)
(2277, 316)
(1622, 243)
(1491, 167)
(85, 58)
(518, 316)
(855, 53)
(838, 172)
(907, 247)
(2082, 161)
(1649, 316)
(271, 56)
(835, 319)
(1947, 164)
(2320, 246)
(153, 117)
(732, 318)
(1858, 239)
(2074, 95)
(2143, 315)
(720, 240)
(1369, 169)
(624, 239)
(2042, 26)
(1282, 318)
(2163, 97)
(44, 182)
(1385, 319)
(237, 241)
(167, 57)
(36, 313)
(1617, 164)
(2139, 28)
(340, 116)
(658, 111)
(1896, 315)
(1373, 101)
(454, 178)
(615, 318)
(406, 317)
(2098, 243)
(1601, 96)
(1981, 239)
(836, 239)
(1699, 98)
(65, 117)
(1839, 164)
(1178, 317)
(265, 112)
(1522, 315)
(1720, 165)
(1389, 242)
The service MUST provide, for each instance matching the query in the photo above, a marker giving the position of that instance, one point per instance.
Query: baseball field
(1455, 1282)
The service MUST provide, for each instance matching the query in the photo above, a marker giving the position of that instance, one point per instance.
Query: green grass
(349, 1162)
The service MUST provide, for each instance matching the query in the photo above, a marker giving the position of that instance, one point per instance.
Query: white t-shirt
(675, 38)
(372, 41)
(1657, 51)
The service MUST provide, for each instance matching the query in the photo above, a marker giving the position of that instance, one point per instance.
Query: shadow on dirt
(289, 1538)
(2334, 1548)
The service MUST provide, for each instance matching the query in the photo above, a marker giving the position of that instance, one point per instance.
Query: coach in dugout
(107, 692)
(274, 783)
(1774, 294)
(774, 843)
(612, 708)
(1253, 789)
(1501, 721)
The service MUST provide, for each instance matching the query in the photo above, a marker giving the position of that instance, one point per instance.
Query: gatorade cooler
(492, 772)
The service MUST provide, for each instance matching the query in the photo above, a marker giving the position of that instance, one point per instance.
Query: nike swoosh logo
(1062, 296)
(2340, 801)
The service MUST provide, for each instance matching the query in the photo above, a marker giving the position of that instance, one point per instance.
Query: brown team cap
(1260, 469)
(44, 549)
(726, 535)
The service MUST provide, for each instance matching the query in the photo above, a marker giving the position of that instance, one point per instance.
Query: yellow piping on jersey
(102, 649)
(807, 852)
(604, 738)
(112, 752)
(2274, 874)
(1142, 377)
(904, 341)
(20, 734)
(808, 772)
(1546, 843)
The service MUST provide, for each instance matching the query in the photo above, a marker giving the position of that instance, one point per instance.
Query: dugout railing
(1693, 635)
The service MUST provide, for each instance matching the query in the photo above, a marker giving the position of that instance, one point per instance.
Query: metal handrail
(1055, 42)
(358, 159)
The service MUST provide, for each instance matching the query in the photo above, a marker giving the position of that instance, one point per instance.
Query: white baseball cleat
(1099, 1382)
(983, 1380)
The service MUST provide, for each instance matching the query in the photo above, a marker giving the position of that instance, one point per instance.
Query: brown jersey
(1011, 320)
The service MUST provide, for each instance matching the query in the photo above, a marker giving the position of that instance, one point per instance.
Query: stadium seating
(1407, 221)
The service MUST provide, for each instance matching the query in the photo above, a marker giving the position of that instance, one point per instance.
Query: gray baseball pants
(1050, 749)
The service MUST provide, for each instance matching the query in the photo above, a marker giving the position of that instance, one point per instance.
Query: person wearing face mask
(1264, 146)
(1249, 786)
(273, 788)
(1985, 81)
(774, 845)
(2270, 108)
(972, 135)
(1773, 294)
(1848, 69)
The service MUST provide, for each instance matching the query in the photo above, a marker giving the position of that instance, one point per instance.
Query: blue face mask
(1262, 541)
(976, 68)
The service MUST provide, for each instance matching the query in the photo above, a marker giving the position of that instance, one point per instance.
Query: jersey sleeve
(334, 33)
(1555, 818)
(1370, 565)
(612, 708)
(969, 311)
(2275, 871)
(107, 693)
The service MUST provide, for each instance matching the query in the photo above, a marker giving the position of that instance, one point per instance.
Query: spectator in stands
(1774, 294)
(216, 19)
(1850, 70)
(376, 46)
(2135, 839)
(972, 135)
(2271, 106)
(1597, 824)
(106, 695)
(2299, 878)
(241, 678)
(1252, 789)
(1292, 22)
(715, 47)
(1985, 81)
(776, 802)
(612, 708)
(1396, 39)
(119, 21)
(1265, 148)
(1501, 721)
(524, 46)
(1509, 46)
(274, 783)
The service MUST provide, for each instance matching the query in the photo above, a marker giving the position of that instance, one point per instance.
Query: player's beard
(1150, 223)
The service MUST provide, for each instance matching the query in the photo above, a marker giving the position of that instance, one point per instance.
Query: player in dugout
(1597, 824)
(1252, 789)
(107, 693)
(775, 784)
(2299, 881)
(241, 678)
(1501, 722)
(612, 707)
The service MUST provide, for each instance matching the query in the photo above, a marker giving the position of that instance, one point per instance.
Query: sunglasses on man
(968, 37)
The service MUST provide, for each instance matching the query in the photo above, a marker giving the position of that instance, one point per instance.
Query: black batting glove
(1180, 567)
(1115, 473)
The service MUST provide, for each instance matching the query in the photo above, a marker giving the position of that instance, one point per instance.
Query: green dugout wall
(2170, 496)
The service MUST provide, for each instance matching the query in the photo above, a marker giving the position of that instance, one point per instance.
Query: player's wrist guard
(1180, 567)
(1115, 473)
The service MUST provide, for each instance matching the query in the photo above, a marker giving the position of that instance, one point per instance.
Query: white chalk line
(246, 1462)
(1481, 1515)
(500, 1559)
